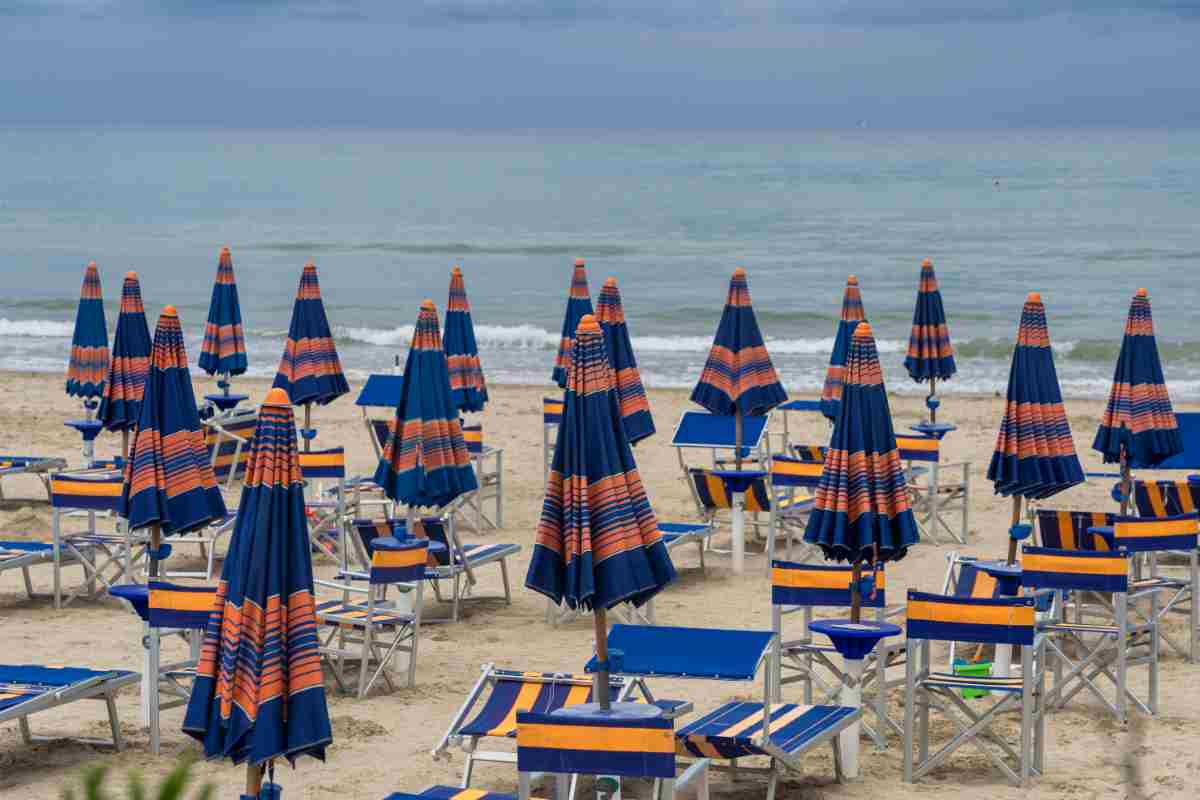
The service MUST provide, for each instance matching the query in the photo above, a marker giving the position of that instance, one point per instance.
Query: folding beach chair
(488, 462)
(449, 558)
(797, 589)
(964, 580)
(784, 414)
(714, 504)
(380, 392)
(1176, 585)
(168, 610)
(227, 437)
(552, 414)
(509, 692)
(1072, 530)
(107, 557)
(41, 466)
(792, 483)
(933, 617)
(326, 510)
(29, 689)
(207, 539)
(935, 489)
(779, 732)
(371, 633)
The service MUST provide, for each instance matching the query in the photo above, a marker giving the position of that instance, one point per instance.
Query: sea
(1083, 216)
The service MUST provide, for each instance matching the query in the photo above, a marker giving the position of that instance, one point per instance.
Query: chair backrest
(230, 439)
(426, 529)
(1166, 498)
(1146, 534)
(820, 585)
(1069, 530)
(175, 606)
(710, 491)
(398, 560)
(1048, 568)
(973, 583)
(91, 492)
(809, 453)
(552, 410)
(540, 692)
(795, 472)
(382, 430)
(1003, 620)
(596, 745)
(323, 464)
(918, 448)
(473, 438)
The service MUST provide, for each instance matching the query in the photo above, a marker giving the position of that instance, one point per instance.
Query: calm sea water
(1083, 217)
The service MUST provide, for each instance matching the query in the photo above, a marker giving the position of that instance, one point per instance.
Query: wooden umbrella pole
(1126, 481)
(155, 543)
(125, 443)
(932, 408)
(737, 440)
(254, 774)
(1016, 517)
(600, 619)
(856, 592)
(307, 426)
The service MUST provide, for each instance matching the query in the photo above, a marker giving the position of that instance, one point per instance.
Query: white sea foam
(36, 328)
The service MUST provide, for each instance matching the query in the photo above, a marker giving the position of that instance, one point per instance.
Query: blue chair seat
(734, 730)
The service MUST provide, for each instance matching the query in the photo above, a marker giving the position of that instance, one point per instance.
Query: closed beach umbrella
(259, 693)
(852, 314)
(425, 462)
(1139, 426)
(861, 511)
(169, 483)
(89, 343)
(930, 354)
(579, 302)
(597, 542)
(224, 348)
(1035, 455)
(462, 355)
(310, 371)
(130, 363)
(631, 395)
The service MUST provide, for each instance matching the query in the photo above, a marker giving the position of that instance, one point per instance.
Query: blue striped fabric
(90, 492)
(224, 347)
(467, 384)
(930, 354)
(852, 314)
(733, 730)
(1004, 620)
(631, 395)
(1147, 534)
(541, 692)
(88, 364)
(22, 683)
(174, 606)
(451, 793)
(130, 363)
(327, 464)
(398, 560)
(818, 585)
(595, 746)
(579, 304)
(1080, 570)
(310, 370)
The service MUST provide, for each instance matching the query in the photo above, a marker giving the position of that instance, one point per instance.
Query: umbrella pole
(738, 532)
(1016, 518)
(254, 774)
(737, 440)
(932, 407)
(1126, 481)
(856, 593)
(155, 543)
(307, 426)
(600, 690)
(125, 443)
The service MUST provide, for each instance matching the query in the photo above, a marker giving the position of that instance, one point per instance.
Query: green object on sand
(978, 669)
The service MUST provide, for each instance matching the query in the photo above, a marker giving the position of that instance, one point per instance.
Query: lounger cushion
(22, 548)
(733, 730)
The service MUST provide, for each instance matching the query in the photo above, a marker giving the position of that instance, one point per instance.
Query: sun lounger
(40, 466)
(781, 732)
(31, 689)
(21, 554)
(381, 391)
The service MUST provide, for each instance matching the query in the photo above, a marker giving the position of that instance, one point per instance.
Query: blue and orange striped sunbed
(510, 692)
(32, 688)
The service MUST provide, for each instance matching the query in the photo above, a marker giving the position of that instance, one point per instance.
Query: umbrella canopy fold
(310, 371)
(631, 395)
(467, 385)
(852, 314)
(224, 348)
(930, 354)
(125, 384)
(579, 303)
(88, 363)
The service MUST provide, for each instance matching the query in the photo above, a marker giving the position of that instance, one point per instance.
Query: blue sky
(516, 64)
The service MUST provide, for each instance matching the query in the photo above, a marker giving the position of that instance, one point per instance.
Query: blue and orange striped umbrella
(130, 362)
(579, 302)
(1035, 455)
(861, 511)
(631, 395)
(598, 543)
(738, 377)
(462, 355)
(852, 314)
(89, 343)
(310, 371)
(258, 693)
(224, 348)
(930, 354)
(169, 482)
(425, 462)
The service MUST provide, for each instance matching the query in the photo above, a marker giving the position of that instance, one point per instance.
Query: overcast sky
(595, 64)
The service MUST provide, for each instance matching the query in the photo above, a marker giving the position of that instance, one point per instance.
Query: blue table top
(616, 711)
(1000, 568)
(938, 429)
(739, 480)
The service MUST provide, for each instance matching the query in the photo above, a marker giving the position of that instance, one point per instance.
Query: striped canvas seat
(1072, 530)
(488, 463)
(735, 730)
(809, 453)
(33, 688)
(1166, 498)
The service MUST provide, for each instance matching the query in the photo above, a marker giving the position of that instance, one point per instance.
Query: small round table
(225, 402)
(737, 481)
(89, 429)
(853, 640)
(934, 429)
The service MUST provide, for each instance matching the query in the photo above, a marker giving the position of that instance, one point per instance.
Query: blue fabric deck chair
(1166, 498)
(324, 476)
(1176, 583)
(935, 489)
(798, 589)
(368, 634)
(736, 730)
(942, 618)
(509, 692)
(168, 611)
(108, 555)
(41, 466)
(552, 412)
(1080, 652)
(227, 438)
(449, 558)
(29, 689)
(1074, 530)
(488, 463)
(714, 504)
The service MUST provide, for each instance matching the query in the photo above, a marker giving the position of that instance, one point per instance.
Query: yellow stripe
(1114, 565)
(10, 695)
(468, 794)
(1066, 531)
(86, 488)
(716, 489)
(985, 586)
(803, 578)
(797, 469)
(610, 740)
(701, 744)
(168, 600)
(1156, 499)
(322, 459)
(472, 436)
(1185, 497)
(917, 443)
(932, 611)
(398, 558)
(525, 700)
(577, 696)
(1167, 527)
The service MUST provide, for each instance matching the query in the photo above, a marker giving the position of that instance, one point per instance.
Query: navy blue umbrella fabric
(310, 371)
(224, 348)
(462, 354)
(130, 363)
(852, 314)
(930, 354)
(635, 409)
(88, 364)
(579, 302)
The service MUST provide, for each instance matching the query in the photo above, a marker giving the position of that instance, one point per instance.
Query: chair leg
(114, 724)
(909, 716)
(504, 576)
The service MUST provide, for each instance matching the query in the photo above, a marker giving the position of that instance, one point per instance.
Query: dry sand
(382, 743)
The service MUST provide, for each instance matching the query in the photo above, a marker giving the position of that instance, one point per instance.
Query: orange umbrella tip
(169, 311)
(588, 324)
(277, 397)
(610, 281)
(852, 280)
(927, 263)
(456, 271)
(427, 305)
(91, 265)
(131, 276)
(225, 250)
(739, 273)
(579, 262)
(862, 329)
(1034, 297)
(1142, 292)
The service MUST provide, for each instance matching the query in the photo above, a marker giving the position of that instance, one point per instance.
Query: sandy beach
(382, 743)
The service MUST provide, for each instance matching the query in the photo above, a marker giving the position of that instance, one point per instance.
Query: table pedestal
(1008, 576)
(736, 483)
(89, 429)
